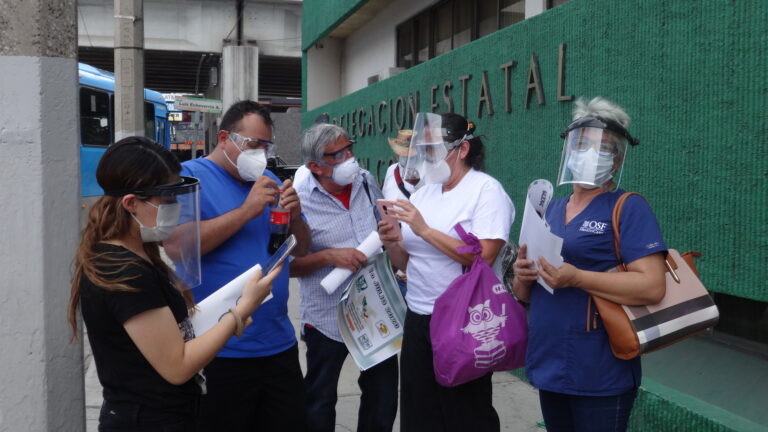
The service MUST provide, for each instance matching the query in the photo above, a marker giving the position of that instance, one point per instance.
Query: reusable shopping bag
(477, 326)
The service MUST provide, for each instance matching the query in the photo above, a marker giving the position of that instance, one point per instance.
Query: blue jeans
(133, 417)
(572, 413)
(378, 385)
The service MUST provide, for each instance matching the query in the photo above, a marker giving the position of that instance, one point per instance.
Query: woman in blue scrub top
(582, 385)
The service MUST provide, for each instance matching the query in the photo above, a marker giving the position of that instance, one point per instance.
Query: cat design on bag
(484, 325)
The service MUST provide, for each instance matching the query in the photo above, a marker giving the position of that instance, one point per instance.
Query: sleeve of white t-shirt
(494, 213)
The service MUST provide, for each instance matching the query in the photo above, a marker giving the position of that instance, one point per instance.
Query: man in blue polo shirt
(255, 383)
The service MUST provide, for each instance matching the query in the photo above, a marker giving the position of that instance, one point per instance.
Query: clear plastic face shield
(181, 248)
(593, 155)
(428, 150)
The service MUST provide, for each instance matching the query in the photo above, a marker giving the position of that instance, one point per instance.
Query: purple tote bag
(477, 326)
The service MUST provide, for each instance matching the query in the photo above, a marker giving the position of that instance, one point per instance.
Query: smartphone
(384, 206)
(280, 254)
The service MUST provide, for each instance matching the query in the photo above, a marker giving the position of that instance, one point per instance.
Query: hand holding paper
(369, 247)
(217, 304)
(534, 231)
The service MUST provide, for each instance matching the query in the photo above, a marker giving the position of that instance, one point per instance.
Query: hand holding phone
(263, 285)
(280, 254)
(384, 206)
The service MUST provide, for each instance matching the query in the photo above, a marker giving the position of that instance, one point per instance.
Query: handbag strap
(471, 243)
(615, 218)
(400, 184)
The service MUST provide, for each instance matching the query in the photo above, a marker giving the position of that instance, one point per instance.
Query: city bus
(97, 122)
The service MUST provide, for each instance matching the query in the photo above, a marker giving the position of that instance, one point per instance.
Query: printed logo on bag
(382, 328)
(499, 289)
(484, 326)
(361, 284)
(594, 227)
(364, 341)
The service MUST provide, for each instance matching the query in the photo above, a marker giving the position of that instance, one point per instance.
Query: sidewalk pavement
(514, 400)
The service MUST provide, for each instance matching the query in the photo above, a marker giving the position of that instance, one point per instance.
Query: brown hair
(131, 163)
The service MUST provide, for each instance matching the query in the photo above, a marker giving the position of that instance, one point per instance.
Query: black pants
(378, 387)
(133, 417)
(254, 394)
(427, 406)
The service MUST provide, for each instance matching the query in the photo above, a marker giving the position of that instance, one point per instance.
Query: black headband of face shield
(178, 187)
(597, 122)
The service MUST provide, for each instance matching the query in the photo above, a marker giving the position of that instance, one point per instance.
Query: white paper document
(369, 247)
(534, 230)
(210, 310)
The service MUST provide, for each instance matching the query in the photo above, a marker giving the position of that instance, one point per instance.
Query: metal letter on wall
(447, 86)
(433, 105)
(485, 96)
(534, 82)
(561, 76)
(400, 111)
(381, 125)
(361, 123)
(506, 67)
(352, 130)
(371, 123)
(413, 108)
(464, 80)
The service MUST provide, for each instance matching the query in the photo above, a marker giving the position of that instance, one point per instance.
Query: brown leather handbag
(685, 310)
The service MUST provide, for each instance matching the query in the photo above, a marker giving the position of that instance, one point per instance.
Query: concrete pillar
(239, 74)
(324, 72)
(129, 68)
(41, 372)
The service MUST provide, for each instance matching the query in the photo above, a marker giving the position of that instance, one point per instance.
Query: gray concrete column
(41, 372)
(239, 74)
(129, 68)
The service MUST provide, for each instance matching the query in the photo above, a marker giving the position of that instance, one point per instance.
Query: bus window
(161, 132)
(94, 117)
(149, 118)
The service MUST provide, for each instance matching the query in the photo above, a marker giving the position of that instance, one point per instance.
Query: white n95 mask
(346, 172)
(251, 164)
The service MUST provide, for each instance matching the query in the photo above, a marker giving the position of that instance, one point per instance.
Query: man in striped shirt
(338, 200)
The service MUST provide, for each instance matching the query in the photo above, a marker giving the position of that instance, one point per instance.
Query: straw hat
(402, 143)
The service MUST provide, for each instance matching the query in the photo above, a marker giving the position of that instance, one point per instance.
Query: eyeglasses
(252, 143)
(342, 154)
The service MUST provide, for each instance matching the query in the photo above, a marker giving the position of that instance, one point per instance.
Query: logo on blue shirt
(593, 227)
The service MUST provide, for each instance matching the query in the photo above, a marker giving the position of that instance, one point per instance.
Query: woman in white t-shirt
(449, 159)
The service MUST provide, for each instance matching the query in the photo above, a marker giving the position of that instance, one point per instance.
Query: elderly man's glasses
(248, 143)
(341, 154)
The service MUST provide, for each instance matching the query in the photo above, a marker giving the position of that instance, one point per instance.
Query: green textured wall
(322, 16)
(691, 74)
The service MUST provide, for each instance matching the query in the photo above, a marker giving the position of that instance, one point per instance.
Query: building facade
(694, 78)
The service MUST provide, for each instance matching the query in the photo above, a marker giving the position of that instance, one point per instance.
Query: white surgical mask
(344, 173)
(591, 167)
(250, 164)
(166, 221)
(440, 172)
(437, 173)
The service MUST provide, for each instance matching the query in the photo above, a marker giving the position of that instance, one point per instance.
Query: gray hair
(317, 137)
(599, 107)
